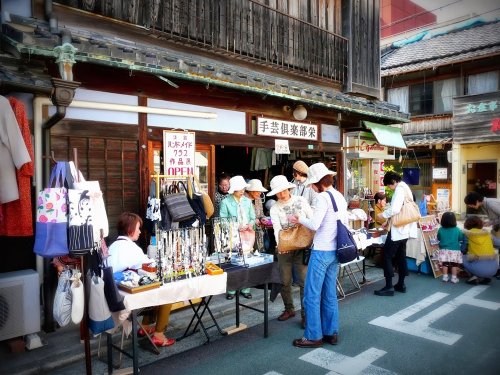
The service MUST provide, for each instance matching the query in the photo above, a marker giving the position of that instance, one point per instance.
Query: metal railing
(252, 31)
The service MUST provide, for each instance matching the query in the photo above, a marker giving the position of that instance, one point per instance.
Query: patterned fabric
(446, 255)
(219, 197)
(281, 210)
(17, 215)
(80, 229)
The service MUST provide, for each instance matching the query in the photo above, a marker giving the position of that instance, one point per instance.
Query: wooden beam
(144, 172)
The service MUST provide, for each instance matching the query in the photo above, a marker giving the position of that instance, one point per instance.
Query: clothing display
(16, 149)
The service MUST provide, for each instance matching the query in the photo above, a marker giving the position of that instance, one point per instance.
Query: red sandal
(151, 330)
(159, 342)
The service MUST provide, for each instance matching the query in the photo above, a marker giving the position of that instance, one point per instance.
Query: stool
(340, 291)
(346, 269)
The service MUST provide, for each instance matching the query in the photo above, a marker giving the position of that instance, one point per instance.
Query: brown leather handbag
(297, 237)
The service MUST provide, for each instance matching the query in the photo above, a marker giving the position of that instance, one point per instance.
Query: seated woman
(479, 257)
(123, 254)
(380, 201)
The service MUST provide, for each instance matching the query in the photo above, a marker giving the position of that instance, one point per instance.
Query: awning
(386, 135)
(428, 139)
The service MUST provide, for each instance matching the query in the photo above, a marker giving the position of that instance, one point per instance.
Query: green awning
(386, 135)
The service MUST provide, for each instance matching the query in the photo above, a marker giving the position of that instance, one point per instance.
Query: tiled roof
(144, 53)
(458, 45)
(28, 73)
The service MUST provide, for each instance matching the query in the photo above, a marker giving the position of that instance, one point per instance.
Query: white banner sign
(440, 173)
(286, 129)
(178, 153)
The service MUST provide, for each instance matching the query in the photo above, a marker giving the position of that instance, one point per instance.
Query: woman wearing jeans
(320, 294)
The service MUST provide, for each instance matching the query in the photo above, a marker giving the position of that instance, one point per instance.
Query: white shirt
(123, 254)
(397, 201)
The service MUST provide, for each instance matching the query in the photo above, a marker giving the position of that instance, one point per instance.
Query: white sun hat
(316, 172)
(256, 185)
(237, 183)
(278, 184)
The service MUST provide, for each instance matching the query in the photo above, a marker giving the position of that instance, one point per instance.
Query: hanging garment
(17, 215)
(13, 152)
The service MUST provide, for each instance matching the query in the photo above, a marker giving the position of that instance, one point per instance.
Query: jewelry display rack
(227, 239)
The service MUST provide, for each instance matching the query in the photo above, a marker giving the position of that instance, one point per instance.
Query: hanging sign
(286, 129)
(281, 146)
(179, 149)
(440, 173)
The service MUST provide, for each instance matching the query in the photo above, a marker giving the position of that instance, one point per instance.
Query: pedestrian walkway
(63, 353)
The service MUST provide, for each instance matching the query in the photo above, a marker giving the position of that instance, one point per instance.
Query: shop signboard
(370, 149)
(286, 129)
(440, 173)
(179, 149)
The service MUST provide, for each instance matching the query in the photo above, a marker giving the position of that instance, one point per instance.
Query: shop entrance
(481, 178)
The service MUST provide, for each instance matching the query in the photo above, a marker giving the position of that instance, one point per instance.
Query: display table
(182, 290)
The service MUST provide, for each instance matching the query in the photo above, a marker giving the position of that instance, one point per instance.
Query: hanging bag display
(99, 217)
(297, 237)
(80, 229)
(196, 202)
(409, 213)
(153, 214)
(347, 250)
(78, 299)
(178, 205)
(52, 216)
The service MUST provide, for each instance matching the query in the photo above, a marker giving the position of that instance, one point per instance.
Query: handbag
(52, 216)
(196, 202)
(178, 205)
(409, 213)
(422, 206)
(354, 203)
(100, 318)
(63, 298)
(78, 299)
(297, 237)
(306, 255)
(247, 240)
(347, 250)
(80, 229)
(209, 206)
(99, 217)
(113, 296)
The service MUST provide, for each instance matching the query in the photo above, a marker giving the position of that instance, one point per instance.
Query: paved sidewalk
(63, 353)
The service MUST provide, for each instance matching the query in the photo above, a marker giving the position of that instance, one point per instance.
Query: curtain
(483, 82)
(399, 96)
(446, 90)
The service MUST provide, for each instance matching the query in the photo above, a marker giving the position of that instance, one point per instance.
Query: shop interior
(481, 178)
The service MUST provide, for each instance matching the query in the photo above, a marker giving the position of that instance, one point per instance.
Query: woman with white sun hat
(239, 206)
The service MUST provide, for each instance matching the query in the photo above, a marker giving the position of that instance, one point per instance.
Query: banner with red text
(179, 149)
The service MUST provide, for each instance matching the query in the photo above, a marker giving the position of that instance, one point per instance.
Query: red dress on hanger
(17, 215)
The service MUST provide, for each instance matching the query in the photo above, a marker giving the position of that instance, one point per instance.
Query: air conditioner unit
(19, 304)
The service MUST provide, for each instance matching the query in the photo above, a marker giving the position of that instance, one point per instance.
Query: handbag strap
(58, 175)
(173, 188)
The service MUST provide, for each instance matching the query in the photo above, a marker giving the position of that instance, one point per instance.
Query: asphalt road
(434, 328)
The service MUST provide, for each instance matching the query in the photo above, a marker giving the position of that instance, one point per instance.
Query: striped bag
(80, 230)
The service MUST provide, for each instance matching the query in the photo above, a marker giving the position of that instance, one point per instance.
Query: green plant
(390, 168)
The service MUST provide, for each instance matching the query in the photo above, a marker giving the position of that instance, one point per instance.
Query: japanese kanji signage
(286, 129)
(179, 148)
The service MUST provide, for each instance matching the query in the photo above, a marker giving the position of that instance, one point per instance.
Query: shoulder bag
(409, 213)
(347, 250)
(178, 205)
(297, 237)
(209, 206)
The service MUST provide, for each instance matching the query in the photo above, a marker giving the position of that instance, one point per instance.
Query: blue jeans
(320, 295)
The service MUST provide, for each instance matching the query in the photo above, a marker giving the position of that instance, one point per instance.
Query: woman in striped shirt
(320, 294)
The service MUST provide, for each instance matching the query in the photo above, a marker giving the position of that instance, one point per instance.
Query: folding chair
(346, 269)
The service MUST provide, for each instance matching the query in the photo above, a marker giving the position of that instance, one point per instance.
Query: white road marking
(343, 365)
(272, 373)
(420, 327)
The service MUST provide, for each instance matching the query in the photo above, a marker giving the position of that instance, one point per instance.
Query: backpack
(347, 250)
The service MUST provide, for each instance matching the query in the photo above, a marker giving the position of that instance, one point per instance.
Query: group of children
(473, 248)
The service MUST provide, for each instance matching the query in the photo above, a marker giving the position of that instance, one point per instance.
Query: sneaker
(445, 278)
(454, 280)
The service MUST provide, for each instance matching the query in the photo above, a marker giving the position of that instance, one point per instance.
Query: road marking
(420, 327)
(343, 365)
(272, 373)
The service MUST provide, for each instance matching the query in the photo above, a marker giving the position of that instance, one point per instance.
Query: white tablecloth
(182, 290)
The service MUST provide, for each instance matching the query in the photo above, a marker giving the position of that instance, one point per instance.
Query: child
(480, 259)
(449, 237)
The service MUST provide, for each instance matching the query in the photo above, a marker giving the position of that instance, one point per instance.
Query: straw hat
(237, 183)
(316, 172)
(278, 184)
(255, 185)
(301, 167)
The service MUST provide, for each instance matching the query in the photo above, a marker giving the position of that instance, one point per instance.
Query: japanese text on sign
(178, 153)
(286, 129)
(482, 107)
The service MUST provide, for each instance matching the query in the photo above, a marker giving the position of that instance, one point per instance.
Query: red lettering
(370, 147)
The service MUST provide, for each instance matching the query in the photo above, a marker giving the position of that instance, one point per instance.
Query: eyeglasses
(224, 185)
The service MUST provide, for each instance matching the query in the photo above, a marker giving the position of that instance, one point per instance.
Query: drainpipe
(50, 16)
(62, 95)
